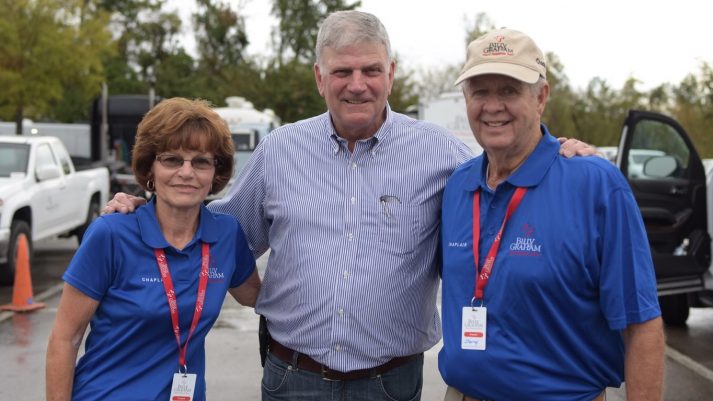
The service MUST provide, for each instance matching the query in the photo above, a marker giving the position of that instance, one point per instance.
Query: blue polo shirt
(573, 269)
(131, 351)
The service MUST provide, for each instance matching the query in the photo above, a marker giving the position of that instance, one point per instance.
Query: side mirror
(660, 166)
(47, 172)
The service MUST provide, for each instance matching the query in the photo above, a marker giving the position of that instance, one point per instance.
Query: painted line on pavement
(46, 294)
(689, 363)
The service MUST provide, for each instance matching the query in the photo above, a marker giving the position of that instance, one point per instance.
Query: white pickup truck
(42, 195)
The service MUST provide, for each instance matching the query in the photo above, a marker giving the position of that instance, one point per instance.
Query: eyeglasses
(199, 163)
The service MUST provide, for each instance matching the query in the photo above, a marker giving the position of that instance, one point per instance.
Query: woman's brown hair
(180, 123)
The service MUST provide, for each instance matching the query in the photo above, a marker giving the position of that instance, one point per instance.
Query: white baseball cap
(504, 52)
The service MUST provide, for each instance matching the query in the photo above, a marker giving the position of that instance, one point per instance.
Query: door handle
(677, 191)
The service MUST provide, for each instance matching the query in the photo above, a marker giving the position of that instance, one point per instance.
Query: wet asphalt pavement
(233, 364)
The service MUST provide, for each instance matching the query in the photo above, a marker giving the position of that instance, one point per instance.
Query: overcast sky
(655, 41)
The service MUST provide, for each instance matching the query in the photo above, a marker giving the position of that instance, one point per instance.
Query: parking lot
(233, 367)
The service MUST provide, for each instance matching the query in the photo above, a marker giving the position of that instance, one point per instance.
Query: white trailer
(448, 111)
(247, 126)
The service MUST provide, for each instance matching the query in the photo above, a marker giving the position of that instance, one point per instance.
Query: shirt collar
(374, 141)
(529, 174)
(151, 233)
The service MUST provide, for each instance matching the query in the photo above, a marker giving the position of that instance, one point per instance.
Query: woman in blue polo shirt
(151, 284)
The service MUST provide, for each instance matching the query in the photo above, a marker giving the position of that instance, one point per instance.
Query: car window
(63, 159)
(13, 158)
(44, 156)
(655, 139)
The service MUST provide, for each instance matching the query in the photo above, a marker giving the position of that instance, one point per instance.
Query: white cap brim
(516, 71)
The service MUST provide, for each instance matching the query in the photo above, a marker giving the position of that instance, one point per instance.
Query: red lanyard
(171, 296)
(484, 274)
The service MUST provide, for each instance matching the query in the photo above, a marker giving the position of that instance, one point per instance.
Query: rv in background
(448, 110)
(247, 126)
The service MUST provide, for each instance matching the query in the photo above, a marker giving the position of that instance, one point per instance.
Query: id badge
(474, 328)
(184, 384)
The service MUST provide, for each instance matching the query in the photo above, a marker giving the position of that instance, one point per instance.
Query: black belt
(305, 362)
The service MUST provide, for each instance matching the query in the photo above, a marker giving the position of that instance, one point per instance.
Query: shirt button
(341, 312)
(337, 347)
(345, 274)
(353, 200)
(350, 236)
(354, 166)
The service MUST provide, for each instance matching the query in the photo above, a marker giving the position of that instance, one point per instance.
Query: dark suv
(673, 192)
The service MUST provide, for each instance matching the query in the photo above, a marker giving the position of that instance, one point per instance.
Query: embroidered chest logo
(526, 245)
(215, 275)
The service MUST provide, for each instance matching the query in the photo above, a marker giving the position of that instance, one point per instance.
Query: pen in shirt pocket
(385, 200)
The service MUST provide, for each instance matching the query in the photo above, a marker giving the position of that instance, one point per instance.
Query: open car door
(668, 180)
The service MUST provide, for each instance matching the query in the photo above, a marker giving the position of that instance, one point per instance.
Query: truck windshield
(13, 158)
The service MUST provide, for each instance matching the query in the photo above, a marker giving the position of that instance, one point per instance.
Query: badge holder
(474, 326)
(183, 386)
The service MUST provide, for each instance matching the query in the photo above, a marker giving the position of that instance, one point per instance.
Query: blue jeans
(282, 382)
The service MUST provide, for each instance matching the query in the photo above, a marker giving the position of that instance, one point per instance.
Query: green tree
(595, 120)
(148, 49)
(433, 81)
(295, 36)
(45, 46)
(659, 98)
(291, 91)
(223, 69)
(404, 93)
(693, 108)
(92, 44)
(176, 76)
(559, 111)
(121, 72)
(220, 33)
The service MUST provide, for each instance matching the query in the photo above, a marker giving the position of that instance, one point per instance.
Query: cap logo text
(497, 49)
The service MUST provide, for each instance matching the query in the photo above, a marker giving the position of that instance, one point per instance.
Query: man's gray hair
(344, 28)
(536, 88)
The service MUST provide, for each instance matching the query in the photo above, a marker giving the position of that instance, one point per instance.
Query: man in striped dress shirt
(348, 203)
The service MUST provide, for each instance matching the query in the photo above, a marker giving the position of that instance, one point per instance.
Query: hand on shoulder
(123, 203)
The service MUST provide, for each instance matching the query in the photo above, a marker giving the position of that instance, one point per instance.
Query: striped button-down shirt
(352, 275)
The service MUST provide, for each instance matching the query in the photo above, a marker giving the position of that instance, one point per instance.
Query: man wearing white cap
(548, 285)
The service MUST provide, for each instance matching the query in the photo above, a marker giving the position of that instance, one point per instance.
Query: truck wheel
(674, 309)
(7, 271)
(92, 214)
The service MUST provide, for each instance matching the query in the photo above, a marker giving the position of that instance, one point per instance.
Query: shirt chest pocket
(393, 227)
